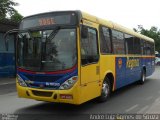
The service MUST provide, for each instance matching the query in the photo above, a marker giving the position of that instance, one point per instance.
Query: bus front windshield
(47, 50)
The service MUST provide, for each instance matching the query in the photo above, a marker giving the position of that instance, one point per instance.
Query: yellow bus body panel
(73, 91)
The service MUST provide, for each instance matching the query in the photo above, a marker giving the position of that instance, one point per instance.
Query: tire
(143, 77)
(106, 91)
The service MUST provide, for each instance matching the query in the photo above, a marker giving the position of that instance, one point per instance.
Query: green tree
(153, 33)
(7, 7)
(16, 17)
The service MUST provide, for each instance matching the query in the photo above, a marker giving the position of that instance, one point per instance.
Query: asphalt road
(133, 99)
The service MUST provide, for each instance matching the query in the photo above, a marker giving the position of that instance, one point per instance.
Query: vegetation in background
(7, 11)
(153, 33)
(16, 17)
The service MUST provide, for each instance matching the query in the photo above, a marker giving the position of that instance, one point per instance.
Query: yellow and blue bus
(73, 57)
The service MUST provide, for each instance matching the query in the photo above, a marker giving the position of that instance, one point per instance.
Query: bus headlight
(69, 83)
(21, 81)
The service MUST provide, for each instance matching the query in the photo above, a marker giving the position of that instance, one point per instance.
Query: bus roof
(115, 26)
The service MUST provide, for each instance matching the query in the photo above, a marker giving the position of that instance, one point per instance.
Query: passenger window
(89, 47)
(129, 44)
(137, 45)
(105, 40)
(118, 42)
(148, 48)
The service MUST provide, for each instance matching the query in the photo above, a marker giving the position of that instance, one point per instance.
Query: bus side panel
(136, 69)
(149, 65)
(90, 86)
(153, 64)
(120, 71)
(128, 70)
(107, 65)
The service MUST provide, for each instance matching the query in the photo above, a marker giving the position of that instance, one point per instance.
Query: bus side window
(118, 42)
(152, 48)
(148, 48)
(105, 40)
(137, 45)
(89, 47)
(144, 47)
(129, 44)
(141, 42)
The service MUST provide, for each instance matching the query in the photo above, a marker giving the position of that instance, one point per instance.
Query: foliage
(153, 33)
(6, 7)
(7, 10)
(16, 17)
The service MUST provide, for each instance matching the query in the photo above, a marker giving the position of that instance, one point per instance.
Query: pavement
(7, 85)
(7, 80)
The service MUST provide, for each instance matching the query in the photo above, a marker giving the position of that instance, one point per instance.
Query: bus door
(89, 60)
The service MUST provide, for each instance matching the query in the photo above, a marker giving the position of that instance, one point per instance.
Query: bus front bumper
(62, 96)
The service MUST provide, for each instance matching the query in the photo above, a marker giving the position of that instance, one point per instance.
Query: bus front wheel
(143, 77)
(105, 91)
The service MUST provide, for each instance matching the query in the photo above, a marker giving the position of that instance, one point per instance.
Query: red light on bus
(46, 21)
(74, 78)
(66, 96)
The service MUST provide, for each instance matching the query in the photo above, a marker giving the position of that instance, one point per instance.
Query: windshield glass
(47, 50)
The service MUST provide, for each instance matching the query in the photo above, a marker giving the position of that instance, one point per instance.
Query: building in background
(7, 58)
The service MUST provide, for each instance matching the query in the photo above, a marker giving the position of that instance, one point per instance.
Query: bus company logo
(120, 62)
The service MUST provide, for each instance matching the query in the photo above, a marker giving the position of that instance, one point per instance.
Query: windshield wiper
(53, 33)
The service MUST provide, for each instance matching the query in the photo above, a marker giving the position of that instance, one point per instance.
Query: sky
(129, 13)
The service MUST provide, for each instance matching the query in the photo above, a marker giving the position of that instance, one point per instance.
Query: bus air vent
(42, 93)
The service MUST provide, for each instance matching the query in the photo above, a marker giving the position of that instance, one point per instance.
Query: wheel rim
(105, 89)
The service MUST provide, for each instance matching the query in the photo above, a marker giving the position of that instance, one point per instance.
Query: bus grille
(42, 93)
(43, 78)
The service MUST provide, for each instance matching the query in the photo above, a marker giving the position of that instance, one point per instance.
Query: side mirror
(84, 32)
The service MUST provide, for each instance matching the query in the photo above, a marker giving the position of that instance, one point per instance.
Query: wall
(7, 58)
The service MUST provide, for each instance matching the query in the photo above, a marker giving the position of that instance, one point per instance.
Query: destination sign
(48, 19)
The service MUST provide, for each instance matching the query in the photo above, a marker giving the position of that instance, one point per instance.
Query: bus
(73, 57)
